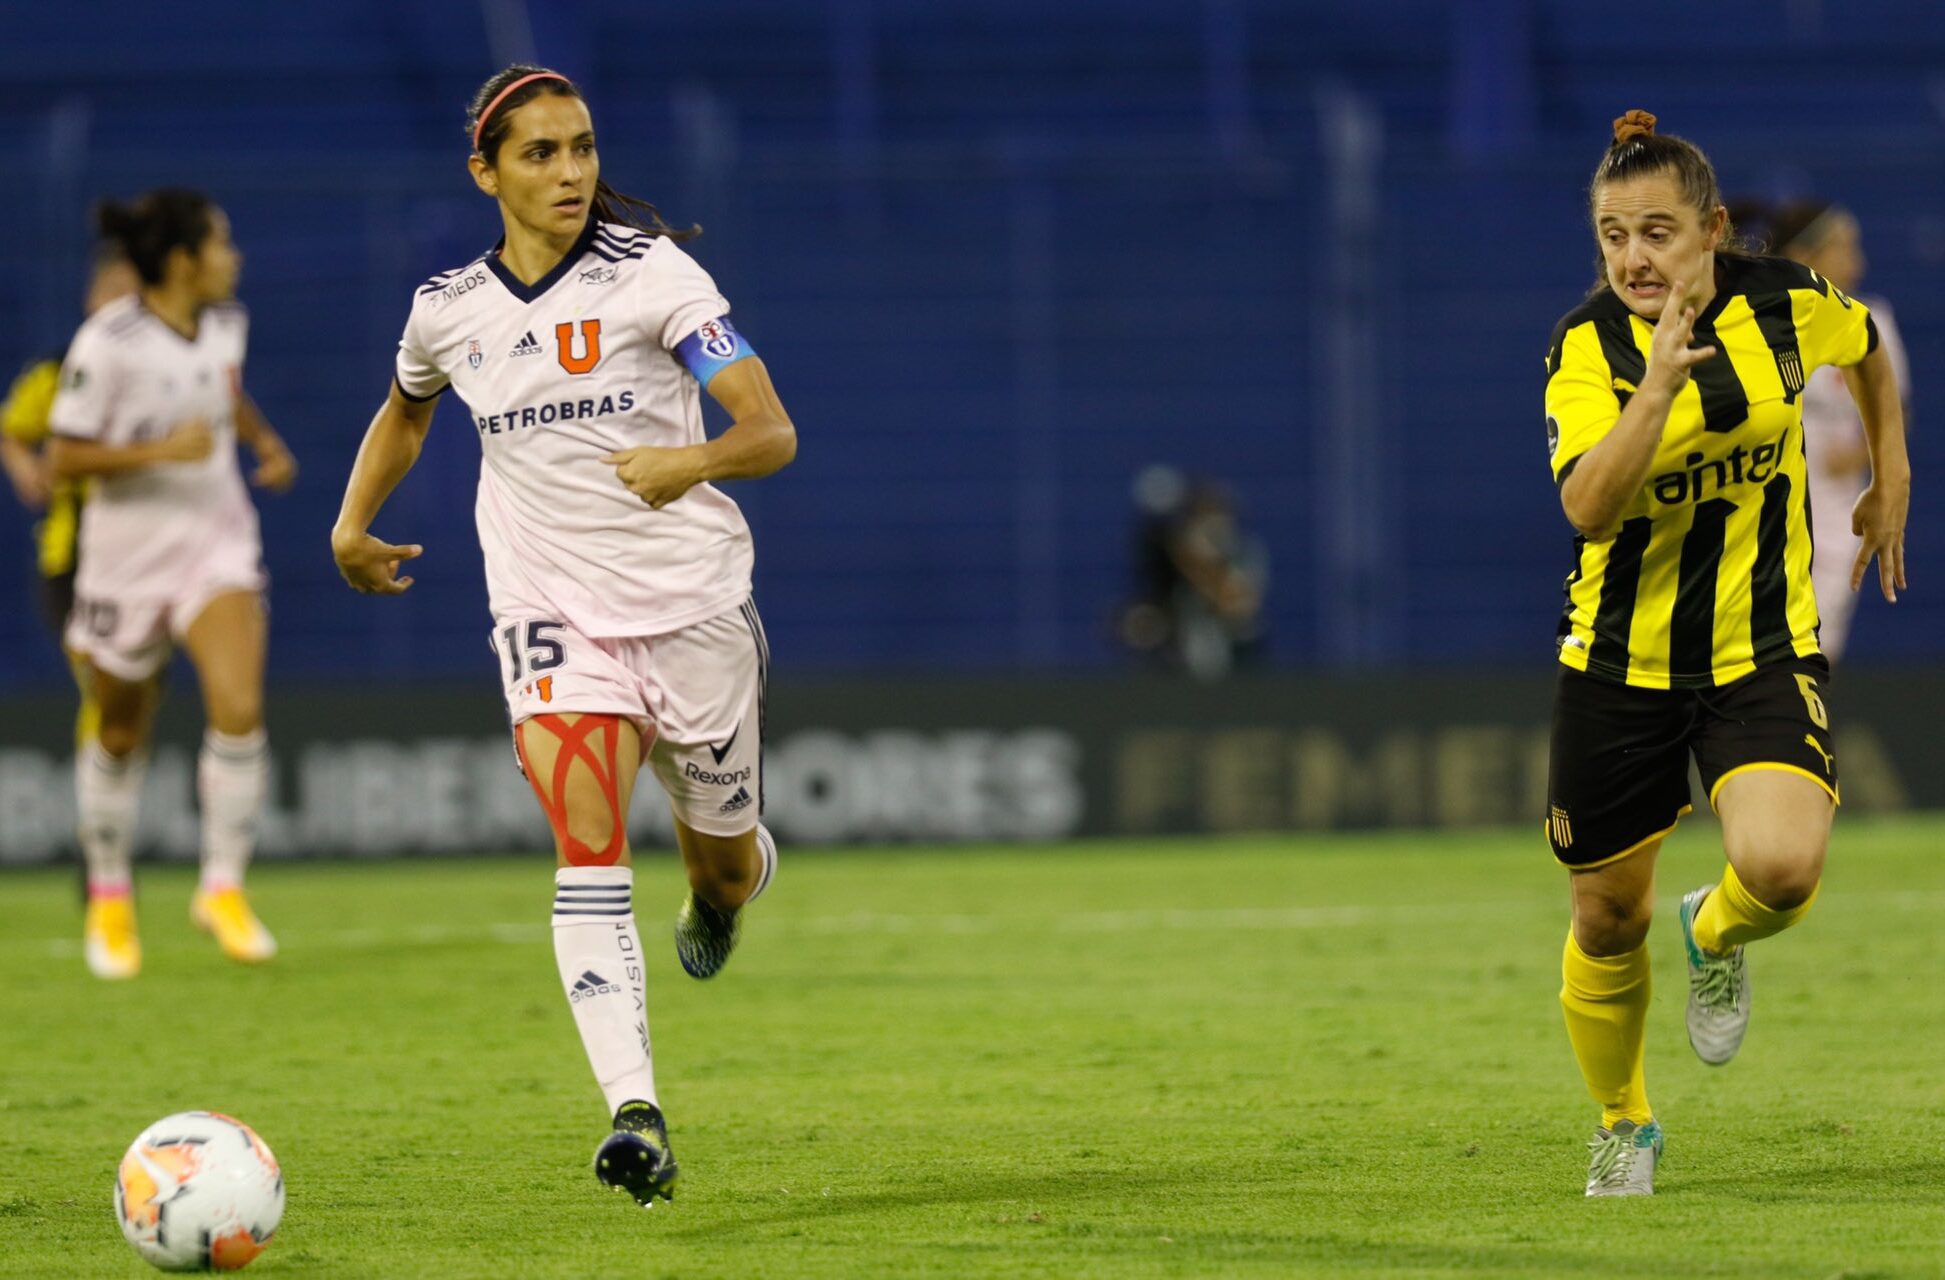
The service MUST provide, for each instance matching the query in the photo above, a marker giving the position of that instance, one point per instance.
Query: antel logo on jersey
(717, 340)
(474, 356)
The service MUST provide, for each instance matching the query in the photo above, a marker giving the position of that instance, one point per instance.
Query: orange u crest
(590, 344)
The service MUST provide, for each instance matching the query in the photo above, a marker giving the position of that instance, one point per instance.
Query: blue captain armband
(711, 349)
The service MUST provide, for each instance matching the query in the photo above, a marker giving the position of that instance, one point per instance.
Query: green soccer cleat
(1622, 1159)
(636, 1157)
(704, 937)
(1718, 991)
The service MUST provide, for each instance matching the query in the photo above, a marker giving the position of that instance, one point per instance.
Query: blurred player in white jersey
(150, 409)
(617, 574)
(1826, 238)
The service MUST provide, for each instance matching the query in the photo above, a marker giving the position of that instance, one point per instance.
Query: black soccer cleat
(636, 1158)
(704, 937)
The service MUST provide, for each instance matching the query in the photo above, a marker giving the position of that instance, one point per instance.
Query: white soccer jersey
(129, 378)
(556, 374)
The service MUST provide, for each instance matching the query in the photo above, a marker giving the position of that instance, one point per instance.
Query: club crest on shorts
(1560, 828)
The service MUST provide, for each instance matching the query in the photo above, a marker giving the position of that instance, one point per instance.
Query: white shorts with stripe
(696, 695)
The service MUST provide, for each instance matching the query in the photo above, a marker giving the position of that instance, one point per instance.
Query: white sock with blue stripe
(600, 957)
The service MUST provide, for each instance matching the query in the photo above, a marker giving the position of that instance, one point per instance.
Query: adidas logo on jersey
(589, 985)
(527, 346)
(737, 802)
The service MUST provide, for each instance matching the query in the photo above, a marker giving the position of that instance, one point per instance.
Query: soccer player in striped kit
(150, 410)
(617, 573)
(1674, 403)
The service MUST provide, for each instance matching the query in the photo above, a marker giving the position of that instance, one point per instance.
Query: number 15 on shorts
(528, 649)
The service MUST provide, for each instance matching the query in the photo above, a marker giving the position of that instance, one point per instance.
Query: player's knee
(235, 713)
(1782, 872)
(1784, 883)
(586, 838)
(1609, 926)
(119, 737)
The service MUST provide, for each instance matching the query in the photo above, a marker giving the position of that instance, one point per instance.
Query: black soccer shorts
(1618, 769)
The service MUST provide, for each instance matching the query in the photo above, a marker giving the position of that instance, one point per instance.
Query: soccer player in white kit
(150, 409)
(1827, 239)
(618, 576)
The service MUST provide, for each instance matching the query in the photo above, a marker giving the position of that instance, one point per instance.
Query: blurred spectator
(1200, 579)
(1827, 239)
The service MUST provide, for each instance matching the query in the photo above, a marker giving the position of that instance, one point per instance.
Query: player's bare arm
(760, 441)
(390, 447)
(1610, 474)
(27, 471)
(1879, 515)
(276, 465)
(71, 459)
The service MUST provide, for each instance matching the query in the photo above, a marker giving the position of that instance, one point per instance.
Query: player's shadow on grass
(1922, 1178)
(1021, 1196)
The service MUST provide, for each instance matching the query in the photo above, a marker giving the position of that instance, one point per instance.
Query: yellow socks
(1731, 916)
(1606, 1001)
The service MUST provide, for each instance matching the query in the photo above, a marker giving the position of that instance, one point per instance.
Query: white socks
(106, 790)
(766, 848)
(232, 775)
(600, 958)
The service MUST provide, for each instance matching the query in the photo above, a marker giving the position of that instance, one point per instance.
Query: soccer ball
(199, 1191)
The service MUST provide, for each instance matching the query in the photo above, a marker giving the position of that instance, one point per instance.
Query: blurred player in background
(1827, 239)
(1200, 577)
(150, 407)
(617, 574)
(1674, 420)
(23, 450)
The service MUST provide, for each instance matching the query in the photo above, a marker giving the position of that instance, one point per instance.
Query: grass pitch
(1271, 1057)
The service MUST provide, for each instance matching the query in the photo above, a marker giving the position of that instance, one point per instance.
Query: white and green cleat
(1622, 1159)
(1718, 991)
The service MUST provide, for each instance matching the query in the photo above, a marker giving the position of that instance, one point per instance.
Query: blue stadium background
(998, 255)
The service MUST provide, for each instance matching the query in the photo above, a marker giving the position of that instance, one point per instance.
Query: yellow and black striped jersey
(1708, 576)
(24, 419)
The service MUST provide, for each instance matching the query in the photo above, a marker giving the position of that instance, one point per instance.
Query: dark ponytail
(489, 118)
(154, 225)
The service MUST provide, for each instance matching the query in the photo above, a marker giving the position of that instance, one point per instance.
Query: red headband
(501, 96)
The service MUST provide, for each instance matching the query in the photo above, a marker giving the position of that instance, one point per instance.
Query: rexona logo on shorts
(712, 778)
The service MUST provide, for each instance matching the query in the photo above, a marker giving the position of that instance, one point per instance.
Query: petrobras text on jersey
(555, 411)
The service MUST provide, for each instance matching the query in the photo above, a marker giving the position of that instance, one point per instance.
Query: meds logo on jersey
(717, 339)
(474, 356)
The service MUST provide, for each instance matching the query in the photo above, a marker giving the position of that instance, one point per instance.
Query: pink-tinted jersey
(555, 375)
(129, 377)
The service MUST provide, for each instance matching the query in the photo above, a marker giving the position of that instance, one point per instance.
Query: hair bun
(1635, 124)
